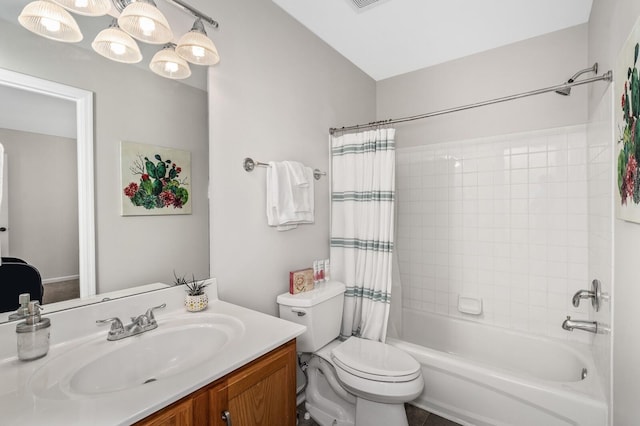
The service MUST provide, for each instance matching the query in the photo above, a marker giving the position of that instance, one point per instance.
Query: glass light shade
(51, 21)
(167, 63)
(86, 7)
(198, 49)
(115, 44)
(143, 21)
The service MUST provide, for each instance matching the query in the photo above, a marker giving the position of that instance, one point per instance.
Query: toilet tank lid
(320, 293)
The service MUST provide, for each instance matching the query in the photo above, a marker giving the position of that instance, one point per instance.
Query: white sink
(178, 346)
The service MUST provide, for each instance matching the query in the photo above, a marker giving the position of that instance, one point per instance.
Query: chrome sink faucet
(139, 324)
(570, 325)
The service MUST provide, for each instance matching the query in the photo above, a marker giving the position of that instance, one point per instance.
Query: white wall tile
(503, 218)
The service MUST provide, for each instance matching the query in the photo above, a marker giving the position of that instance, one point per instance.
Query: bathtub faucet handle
(594, 294)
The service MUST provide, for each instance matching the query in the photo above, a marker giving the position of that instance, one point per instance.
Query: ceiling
(392, 37)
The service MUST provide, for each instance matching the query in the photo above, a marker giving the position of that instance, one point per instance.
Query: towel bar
(248, 164)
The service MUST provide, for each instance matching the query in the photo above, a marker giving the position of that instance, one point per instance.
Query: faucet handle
(149, 313)
(595, 294)
(116, 325)
(141, 320)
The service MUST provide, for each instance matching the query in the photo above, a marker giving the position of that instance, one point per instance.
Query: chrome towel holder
(248, 164)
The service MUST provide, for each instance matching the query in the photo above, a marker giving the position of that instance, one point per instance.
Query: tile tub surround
(18, 405)
(501, 218)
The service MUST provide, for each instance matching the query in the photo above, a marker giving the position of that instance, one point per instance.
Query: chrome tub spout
(570, 325)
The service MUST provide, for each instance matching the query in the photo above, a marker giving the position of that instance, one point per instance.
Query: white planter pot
(196, 303)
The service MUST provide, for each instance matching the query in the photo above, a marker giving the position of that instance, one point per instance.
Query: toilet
(356, 382)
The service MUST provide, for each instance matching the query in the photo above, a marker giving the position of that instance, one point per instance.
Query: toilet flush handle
(300, 312)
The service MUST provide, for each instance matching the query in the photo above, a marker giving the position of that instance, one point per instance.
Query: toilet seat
(371, 360)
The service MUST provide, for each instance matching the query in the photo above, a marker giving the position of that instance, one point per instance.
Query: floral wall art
(155, 180)
(627, 113)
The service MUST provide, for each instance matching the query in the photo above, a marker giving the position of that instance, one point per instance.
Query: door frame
(83, 100)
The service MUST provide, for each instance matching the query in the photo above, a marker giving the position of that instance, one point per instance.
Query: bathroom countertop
(20, 405)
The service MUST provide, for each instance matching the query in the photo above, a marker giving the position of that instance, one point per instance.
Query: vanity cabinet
(177, 414)
(262, 392)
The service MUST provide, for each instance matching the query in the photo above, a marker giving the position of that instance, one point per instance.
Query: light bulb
(197, 51)
(168, 64)
(52, 25)
(118, 48)
(147, 26)
(196, 47)
(170, 67)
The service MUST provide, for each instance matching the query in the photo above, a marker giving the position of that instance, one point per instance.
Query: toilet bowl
(377, 371)
(356, 382)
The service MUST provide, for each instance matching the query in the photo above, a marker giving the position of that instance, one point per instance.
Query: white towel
(289, 203)
(297, 173)
(302, 186)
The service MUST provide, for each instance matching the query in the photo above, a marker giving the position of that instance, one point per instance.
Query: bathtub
(478, 374)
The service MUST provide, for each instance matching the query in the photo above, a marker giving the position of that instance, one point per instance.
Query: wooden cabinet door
(192, 410)
(262, 393)
(179, 414)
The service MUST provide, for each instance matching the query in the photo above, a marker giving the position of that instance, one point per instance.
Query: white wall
(274, 95)
(43, 201)
(48, 115)
(609, 26)
(133, 105)
(531, 64)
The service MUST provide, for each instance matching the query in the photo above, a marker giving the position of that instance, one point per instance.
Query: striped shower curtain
(362, 209)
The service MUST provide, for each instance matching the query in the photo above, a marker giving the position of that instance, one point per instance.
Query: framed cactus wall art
(155, 180)
(627, 131)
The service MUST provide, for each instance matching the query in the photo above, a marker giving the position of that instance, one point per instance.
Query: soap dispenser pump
(33, 334)
(23, 310)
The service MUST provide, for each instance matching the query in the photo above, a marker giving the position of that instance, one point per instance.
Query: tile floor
(415, 415)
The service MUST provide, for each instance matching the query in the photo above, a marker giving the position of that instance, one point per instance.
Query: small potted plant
(196, 299)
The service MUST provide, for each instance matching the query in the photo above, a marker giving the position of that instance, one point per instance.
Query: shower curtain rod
(608, 76)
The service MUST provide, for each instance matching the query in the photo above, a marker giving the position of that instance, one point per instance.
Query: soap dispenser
(33, 334)
(23, 310)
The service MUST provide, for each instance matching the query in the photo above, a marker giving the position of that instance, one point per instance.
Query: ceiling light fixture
(86, 7)
(115, 44)
(196, 47)
(140, 19)
(51, 21)
(168, 64)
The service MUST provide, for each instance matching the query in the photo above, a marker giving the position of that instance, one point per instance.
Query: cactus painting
(627, 116)
(155, 180)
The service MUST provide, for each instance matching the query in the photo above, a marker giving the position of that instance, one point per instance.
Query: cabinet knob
(226, 416)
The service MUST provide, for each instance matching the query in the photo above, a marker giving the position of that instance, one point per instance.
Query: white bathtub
(477, 374)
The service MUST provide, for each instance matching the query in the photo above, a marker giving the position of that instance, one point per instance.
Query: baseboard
(60, 279)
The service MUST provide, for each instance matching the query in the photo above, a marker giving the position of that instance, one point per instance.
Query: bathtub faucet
(590, 326)
(595, 294)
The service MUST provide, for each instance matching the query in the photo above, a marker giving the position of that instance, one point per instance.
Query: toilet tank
(320, 310)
